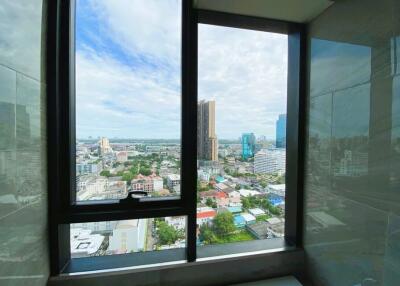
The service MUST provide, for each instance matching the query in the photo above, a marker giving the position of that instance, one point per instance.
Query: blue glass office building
(281, 131)
(248, 145)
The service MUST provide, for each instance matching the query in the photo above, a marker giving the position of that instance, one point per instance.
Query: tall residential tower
(207, 144)
(281, 131)
(248, 145)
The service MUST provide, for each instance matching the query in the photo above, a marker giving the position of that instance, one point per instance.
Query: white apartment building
(128, 236)
(122, 156)
(173, 180)
(178, 222)
(89, 187)
(83, 243)
(89, 167)
(96, 227)
(270, 161)
(277, 189)
(203, 176)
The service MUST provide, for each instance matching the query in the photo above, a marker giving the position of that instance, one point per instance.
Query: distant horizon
(169, 139)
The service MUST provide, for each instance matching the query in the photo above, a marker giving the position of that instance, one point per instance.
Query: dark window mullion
(189, 122)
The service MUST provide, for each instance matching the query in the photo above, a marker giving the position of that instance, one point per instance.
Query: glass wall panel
(352, 208)
(241, 135)
(128, 98)
(127, 236)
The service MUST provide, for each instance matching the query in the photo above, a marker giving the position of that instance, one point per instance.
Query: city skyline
(127, 87)
(238, 139)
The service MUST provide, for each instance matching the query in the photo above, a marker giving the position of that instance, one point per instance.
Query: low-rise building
(152, 183)
(243, 219)
(234, 198)
(259, 229)
(221, 187)
(248, 193)
(205, 215)
(220, 198)
(256, 212)
(276, 227)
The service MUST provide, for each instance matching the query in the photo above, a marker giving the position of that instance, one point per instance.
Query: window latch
(134, 196)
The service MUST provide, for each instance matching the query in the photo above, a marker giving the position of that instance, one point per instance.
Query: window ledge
(217, 270)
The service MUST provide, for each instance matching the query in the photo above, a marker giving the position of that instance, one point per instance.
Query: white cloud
(151, 28)
(122, 101)
(244, 71)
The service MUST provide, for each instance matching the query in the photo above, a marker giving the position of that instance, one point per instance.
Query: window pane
(241, 135)
(127, 236)
(128, 98)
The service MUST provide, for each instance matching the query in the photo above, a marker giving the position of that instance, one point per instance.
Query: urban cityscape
(240, 188)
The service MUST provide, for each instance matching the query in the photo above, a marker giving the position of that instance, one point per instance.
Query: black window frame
(63, 210)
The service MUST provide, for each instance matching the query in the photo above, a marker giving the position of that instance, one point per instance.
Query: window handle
(134, 196)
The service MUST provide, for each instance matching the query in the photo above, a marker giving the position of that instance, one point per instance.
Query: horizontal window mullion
(77, 215)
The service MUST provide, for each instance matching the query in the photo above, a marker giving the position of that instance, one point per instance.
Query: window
(128, 98)
(241, 134)
(90, 239)
(133, 137)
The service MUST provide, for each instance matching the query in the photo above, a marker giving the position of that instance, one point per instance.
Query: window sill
(171, 269)
(140, 260)
(237, 249)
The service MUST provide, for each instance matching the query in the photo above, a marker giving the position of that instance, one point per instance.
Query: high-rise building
(270, 161)
(248, 145)
(104, 146)
(207, 144)
(281, 131)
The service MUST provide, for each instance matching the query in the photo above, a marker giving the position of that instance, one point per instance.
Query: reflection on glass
(127, 98)
(241, 135)
(352, 162)
(127, 236)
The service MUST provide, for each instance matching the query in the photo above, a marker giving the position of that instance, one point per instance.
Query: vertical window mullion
(189, 122)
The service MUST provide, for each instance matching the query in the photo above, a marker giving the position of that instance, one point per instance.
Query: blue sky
(128, 72)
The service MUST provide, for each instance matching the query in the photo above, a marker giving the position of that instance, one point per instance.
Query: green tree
(211, 203)
(281, 179)
(167, 234)
(207, 235)
(145, 171)
(223, 224)
(134, 171)
(275, 211)
(127, 177)
(105, 173)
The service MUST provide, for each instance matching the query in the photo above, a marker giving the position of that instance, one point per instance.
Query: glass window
(128, 98)
(127, 236)
(241, 135)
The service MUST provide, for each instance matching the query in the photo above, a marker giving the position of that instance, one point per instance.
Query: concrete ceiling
(300, 11)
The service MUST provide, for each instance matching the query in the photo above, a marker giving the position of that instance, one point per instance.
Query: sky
(128, 78)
